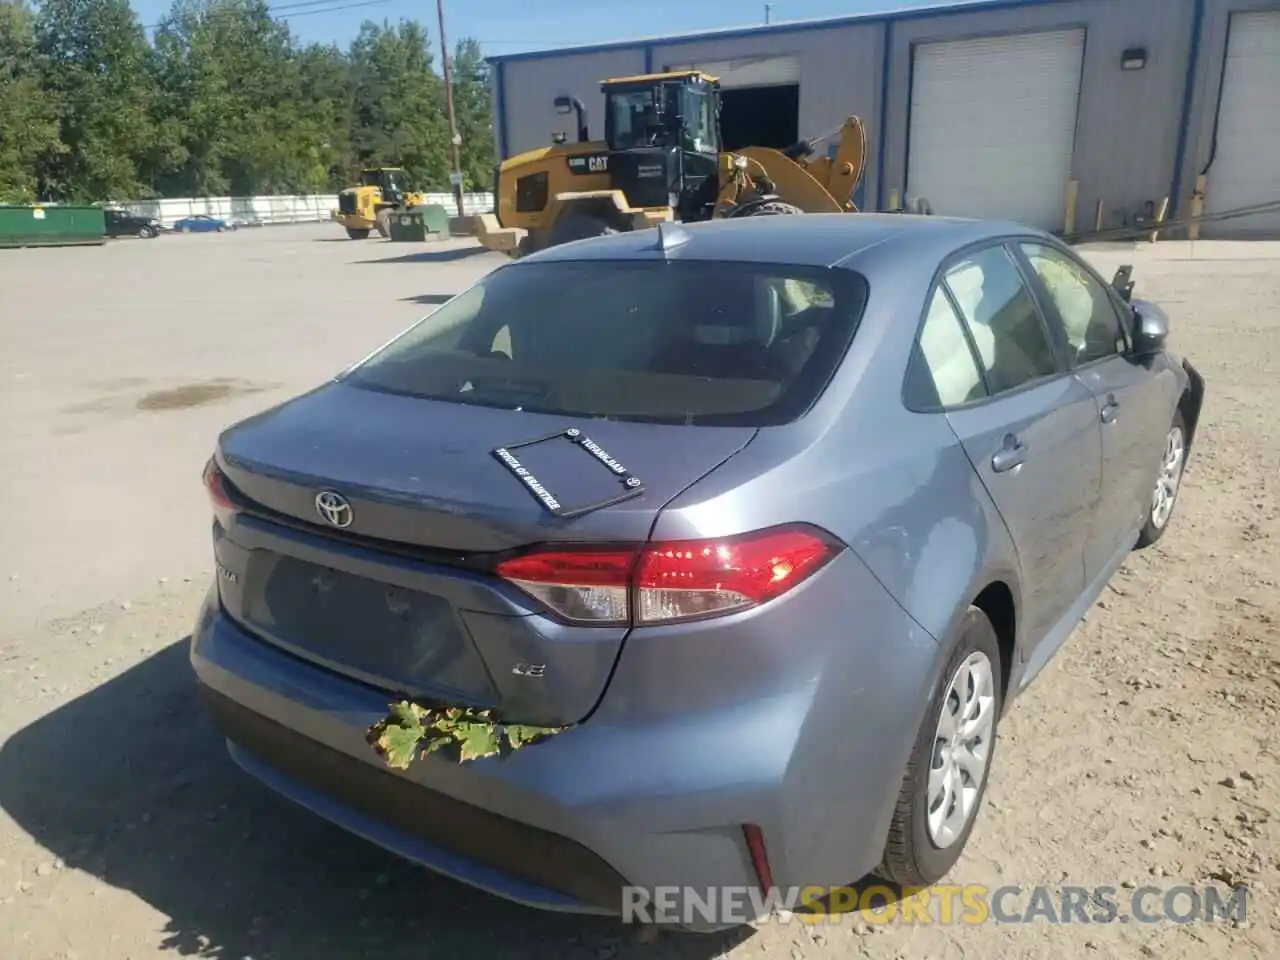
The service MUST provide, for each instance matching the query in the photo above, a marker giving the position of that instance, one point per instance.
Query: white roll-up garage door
(993, 125)
(750, 71)
(1246, 167)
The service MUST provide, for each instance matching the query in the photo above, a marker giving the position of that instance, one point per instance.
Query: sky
(512, 26)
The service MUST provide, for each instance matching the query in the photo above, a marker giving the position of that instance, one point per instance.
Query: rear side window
(943, 369)
(673, 342)
(1002, 318)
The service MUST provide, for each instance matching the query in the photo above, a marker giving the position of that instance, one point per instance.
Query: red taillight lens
(673, 580)
(759, 856)
(588, 587)
(214, 484)
(683, 579)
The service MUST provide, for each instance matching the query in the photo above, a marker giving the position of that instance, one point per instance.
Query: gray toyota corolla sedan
(769, 519)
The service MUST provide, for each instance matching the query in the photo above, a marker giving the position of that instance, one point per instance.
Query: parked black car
(122, 223)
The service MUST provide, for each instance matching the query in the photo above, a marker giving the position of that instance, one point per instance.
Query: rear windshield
(670, 342)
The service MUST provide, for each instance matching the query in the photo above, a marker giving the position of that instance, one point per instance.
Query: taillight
(759, 856)
(588, 587)
(672, 580)
(215, 486)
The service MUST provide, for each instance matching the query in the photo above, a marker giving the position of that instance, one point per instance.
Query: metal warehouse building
(1059, 113)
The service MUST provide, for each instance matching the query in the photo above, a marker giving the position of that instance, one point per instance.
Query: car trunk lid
(396, 594)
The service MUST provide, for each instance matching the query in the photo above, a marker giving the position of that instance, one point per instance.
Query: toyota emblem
(334, 508)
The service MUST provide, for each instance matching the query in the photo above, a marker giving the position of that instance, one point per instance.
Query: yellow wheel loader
(368, 207)
(661, 159)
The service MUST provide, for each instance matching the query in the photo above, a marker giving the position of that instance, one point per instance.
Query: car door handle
(1110, 410)
(1012, 454)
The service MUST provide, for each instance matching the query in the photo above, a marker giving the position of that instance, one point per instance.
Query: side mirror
(1150, 328)
(564, 105)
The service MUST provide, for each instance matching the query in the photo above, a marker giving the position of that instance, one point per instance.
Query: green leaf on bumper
(410, 729)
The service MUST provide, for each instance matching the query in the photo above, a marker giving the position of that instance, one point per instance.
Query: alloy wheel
(1170, 477)
(961, 749)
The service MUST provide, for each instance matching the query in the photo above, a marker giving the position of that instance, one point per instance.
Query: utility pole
(453, 120)
(768, 10)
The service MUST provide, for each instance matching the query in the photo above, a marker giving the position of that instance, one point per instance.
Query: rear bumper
(652, 791)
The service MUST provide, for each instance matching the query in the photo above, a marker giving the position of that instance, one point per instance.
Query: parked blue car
(202, 223)
(883, 465)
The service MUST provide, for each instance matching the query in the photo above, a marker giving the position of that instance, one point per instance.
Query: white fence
(292, 209)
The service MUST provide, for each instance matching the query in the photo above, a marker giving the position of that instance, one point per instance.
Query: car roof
(819, 239)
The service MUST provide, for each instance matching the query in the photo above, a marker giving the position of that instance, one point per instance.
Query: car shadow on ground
(429, 299)
(451, 255)
(131, 784)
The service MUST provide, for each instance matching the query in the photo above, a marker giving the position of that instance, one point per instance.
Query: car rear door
(1132, 406)
(1033, 437)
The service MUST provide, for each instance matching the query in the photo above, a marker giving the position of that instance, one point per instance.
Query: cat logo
(587, 164)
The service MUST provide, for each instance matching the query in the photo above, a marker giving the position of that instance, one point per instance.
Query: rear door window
(683, 342)
(1003, 319)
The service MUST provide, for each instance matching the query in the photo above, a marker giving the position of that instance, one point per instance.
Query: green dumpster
(436, 218)
(51, 226)
(407, 226)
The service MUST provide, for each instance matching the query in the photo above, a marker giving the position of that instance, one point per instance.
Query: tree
(397, 113)
(326, 92)
(28, 113)
(226, 101)
(94, 59)
(473, 107)
(235, 81)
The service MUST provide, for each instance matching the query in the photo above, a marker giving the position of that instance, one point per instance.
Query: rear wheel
(578, 226)
(947, 774)
(358, 233)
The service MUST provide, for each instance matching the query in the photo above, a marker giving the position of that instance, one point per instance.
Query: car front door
(1034, 439)
(1132, 405)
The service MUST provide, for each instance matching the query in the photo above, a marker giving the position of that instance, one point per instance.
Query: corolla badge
(334, 508)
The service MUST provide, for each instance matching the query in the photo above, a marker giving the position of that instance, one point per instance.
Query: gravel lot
(1145, 754)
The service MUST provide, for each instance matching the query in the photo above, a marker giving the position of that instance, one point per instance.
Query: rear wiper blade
(632, 486)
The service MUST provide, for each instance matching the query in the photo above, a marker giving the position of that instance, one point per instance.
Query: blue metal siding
(531, 87)
(1184, 124)
(882, 126)
(1127, 123)
(839, 72)
(500, 109)
(1202, 110)
(1141, 136)
(941, 10)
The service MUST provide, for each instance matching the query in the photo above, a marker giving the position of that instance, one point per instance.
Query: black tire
(774, 208)
(1154, 528)
(578, 226)
(382, 222)
(221, 228)
(146, 233)
(358, 233)
(911, 856)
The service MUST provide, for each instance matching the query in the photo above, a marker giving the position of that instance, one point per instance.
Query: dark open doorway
(760, 116)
